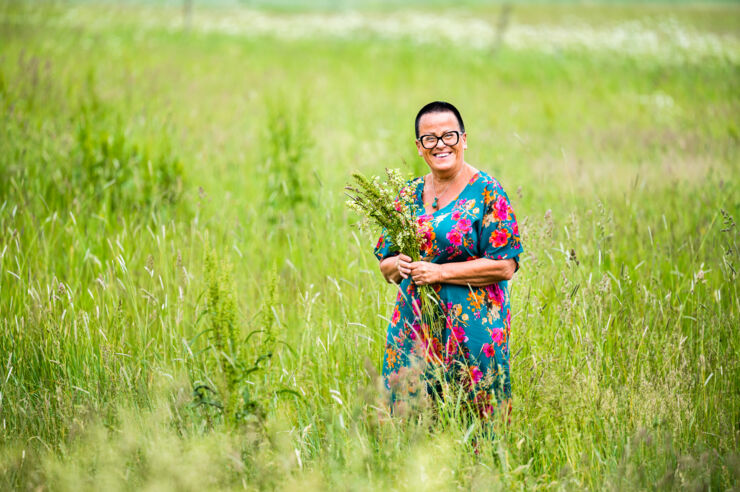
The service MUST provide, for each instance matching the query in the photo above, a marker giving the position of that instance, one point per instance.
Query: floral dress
(474, 349)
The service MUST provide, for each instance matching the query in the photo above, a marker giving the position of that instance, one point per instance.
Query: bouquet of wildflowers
(390, 205)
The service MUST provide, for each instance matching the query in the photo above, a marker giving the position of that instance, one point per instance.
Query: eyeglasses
(449, 138)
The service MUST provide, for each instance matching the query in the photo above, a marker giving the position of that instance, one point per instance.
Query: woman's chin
(443, 165)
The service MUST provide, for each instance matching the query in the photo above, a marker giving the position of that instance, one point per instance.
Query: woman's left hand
(424, 272)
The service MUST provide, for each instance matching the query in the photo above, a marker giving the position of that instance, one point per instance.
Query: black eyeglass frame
(457, 133)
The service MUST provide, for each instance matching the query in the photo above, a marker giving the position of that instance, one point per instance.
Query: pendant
(435, 203)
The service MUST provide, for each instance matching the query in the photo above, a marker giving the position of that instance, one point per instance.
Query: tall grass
(126, 161)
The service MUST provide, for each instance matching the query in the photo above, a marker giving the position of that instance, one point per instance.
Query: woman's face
(442, 158)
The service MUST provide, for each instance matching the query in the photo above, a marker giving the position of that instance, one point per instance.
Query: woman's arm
(475, 273)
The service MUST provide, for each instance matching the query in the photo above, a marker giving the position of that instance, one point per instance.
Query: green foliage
(290, 178)
(99, 162)
(227, 350)
(119, 174)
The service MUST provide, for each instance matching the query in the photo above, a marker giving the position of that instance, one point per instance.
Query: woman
(471, 249)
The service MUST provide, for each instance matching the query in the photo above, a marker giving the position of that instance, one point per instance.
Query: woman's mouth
(442, 155)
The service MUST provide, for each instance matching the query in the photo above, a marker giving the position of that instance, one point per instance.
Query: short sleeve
(499, 237)
(385, 247)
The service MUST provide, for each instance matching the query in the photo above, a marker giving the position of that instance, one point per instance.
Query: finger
(405, 258)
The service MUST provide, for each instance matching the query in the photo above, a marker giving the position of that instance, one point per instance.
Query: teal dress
(474, 349)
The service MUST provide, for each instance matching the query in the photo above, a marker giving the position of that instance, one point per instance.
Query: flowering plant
(391, 205)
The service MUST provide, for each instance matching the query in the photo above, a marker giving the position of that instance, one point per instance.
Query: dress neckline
(420, 194)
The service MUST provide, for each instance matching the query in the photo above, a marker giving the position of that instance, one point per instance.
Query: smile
(442, 155)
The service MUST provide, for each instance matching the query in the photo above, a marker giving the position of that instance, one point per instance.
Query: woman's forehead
(438, 121)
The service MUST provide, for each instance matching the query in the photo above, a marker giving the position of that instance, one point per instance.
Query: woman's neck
(450, 176)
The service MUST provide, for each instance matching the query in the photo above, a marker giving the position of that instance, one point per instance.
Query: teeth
(443, 155)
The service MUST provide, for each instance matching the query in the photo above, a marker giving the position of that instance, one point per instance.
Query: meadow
(186, 303)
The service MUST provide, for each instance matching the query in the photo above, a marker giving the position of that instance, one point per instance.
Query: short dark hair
(438, 107)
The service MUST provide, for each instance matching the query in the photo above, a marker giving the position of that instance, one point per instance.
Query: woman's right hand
(403, 265)
(395, 268)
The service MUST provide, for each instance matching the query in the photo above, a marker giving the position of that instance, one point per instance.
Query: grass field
(186, 303)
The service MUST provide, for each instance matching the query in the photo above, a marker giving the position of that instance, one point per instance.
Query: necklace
(435, 203)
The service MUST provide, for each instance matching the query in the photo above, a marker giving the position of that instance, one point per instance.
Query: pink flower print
(415, 331)
(416, 308)
(454, 237)
(489, 350)
(497, 335)
(458, 332)
(396, 316)
(463, 225)
(501, 208)
(475, 374)
(460, 203)
(500, 296)
(495, 293)
(499, 238)
(423, 218)
(489, 291)
(515, 229)
(456, 215)
(426, 231)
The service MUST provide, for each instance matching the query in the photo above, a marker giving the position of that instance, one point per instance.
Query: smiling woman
(470, 251)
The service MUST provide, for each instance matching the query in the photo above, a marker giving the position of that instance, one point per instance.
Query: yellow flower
(476, 298)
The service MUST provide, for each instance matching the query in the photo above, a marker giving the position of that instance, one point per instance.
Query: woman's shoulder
(487, 182)
(490, 189)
